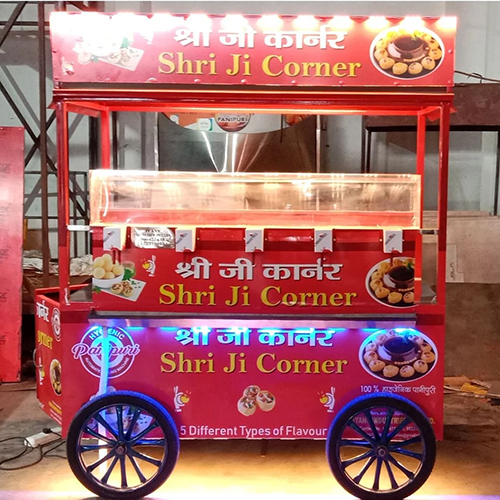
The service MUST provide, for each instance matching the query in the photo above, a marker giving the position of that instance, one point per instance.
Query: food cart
(241, 305)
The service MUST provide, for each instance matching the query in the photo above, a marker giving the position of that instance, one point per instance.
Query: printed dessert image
(407, 53)
(391, 282)
(253, 398)
(55, 376)
(398, 355)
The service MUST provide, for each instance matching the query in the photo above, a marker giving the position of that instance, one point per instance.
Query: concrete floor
(468, 464)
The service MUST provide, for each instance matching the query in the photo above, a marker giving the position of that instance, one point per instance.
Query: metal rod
(105, 140)
(43, 145)
(363, 144)
(114, 142)
(87, 210)
(420, 169)
(75, 213)
(369, 153)
(36, 144)
(497, 177)
(17, 112)
(12, 19)
(318, 144)
(62, 202)
(94, 144)
(444, 142)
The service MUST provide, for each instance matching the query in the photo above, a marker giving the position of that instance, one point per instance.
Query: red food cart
(245, 305)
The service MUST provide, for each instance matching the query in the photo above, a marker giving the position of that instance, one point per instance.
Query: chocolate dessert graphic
(407, 53)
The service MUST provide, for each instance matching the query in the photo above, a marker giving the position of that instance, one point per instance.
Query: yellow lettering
(339, 69)
(264, 298)
(352, 69)
(260, 362)
(169, 362)
(168, 294)
(348, 297)
(266, 63)
(169, 64)
(328, 366)
(340, 365)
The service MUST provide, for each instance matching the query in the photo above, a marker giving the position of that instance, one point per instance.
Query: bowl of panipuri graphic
(398, 355)
(105, 272)
(391, 282)
(407, 54)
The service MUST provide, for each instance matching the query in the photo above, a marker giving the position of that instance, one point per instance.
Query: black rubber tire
(123, 398)
(382, 401)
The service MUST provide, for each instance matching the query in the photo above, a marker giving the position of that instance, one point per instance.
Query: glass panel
(242, 200)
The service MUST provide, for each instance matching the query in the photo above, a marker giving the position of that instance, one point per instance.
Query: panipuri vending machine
(243, 305)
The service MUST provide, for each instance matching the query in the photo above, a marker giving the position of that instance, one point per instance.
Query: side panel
(49, 357)
(309, 370)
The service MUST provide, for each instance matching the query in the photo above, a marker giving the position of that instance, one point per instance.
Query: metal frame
(47, 164)
(102, 102)
(368, 132)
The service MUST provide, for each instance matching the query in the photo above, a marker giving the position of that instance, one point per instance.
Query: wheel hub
(121, 449)
(381, 452)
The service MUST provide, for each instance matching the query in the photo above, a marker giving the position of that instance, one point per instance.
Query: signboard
(11, 249)
(252, 50)
(288, 277)
(251, 379)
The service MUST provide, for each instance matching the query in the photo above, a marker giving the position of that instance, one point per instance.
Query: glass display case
(281, 200)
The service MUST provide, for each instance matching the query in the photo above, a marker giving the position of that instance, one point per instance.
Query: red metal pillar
(105, 140)
(421, 135)
(444, 144)
(63, 201)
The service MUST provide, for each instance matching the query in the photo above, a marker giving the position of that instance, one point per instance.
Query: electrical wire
(478, 76)
(29, 449)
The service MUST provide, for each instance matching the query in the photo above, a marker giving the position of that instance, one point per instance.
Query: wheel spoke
(388, 420)
(401, 467)
(394, 483)
(146, 458)
(90, 431)
(354, 442)
(402, 444)
(123, 472)
(362, 472)
(92, 447)
(96, 464)
(148, 429)
(135, 416)
(376, 479)
(119, 421)
(151, 442)
(369, 417)
(353, 425)
(398, 429)
(137, 469)
(105, 478)
(408, 453)
(105, 424)
(347, 463)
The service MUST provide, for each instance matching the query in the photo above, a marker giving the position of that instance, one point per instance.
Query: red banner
(257, 379)
(253, 50)
(11, 249)
(287, 278)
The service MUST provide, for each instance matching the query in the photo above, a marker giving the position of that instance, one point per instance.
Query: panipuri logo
(122, 351)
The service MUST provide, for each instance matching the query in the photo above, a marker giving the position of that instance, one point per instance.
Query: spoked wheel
(381, 447)
(122, 445)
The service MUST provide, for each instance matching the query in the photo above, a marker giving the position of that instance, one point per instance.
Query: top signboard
(252, 50)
